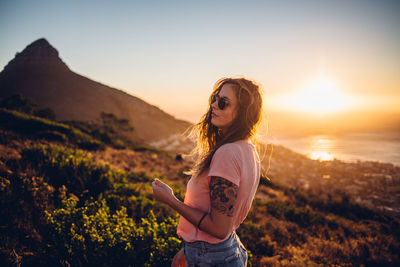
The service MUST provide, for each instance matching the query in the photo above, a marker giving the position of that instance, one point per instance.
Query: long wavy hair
(244, 126)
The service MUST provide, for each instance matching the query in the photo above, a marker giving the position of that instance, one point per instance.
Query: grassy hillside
(30, 126)
(64, 205)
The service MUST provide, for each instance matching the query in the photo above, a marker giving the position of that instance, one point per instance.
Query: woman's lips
(214, 115)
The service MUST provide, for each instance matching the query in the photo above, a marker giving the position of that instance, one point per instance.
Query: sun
(319, 96)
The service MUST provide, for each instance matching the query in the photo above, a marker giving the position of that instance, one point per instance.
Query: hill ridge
(39, 73)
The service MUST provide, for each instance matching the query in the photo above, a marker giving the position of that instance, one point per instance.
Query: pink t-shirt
(237, 162)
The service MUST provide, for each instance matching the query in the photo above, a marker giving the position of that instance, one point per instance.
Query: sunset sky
(312, 57)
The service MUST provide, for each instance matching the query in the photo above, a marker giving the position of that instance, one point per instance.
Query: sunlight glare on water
(350, 147)
(320, 155)
(320, 148)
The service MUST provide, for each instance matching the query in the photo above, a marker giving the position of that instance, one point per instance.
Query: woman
(224, 179)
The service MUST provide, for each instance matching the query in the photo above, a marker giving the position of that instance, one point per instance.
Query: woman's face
(224, 118)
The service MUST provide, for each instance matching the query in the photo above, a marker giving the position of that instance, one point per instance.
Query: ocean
(382, 147)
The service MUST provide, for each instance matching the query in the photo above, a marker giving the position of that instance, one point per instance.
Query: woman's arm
(218, 222)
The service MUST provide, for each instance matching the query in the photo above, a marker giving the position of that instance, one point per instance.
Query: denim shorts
(229, 252)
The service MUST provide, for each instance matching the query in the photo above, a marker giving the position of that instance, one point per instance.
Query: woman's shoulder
(234, 147)
(228, 146)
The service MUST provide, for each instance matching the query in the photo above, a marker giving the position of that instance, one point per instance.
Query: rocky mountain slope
(39, 74)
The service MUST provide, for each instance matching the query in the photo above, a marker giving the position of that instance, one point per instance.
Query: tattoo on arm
(223, 195)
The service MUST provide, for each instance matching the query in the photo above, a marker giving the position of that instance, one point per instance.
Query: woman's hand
(162, 192)
(179, 259)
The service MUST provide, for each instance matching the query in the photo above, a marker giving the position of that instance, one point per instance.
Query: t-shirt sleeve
(225, 164)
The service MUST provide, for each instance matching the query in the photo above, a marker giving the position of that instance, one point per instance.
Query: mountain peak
(38, 54)
(41, 48)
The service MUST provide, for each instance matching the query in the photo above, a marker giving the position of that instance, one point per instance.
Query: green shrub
(22, 201)
(138, 199)
(91, 235)
(52, 136)
(70, 167)
(255, 239)
(112, 131)
(139, 177)
(34, 127)
(302, 216)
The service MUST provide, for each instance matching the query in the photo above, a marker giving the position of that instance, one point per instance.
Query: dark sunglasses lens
(221, 103)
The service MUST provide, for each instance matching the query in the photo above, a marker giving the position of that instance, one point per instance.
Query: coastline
(369, 183)
(350, 148)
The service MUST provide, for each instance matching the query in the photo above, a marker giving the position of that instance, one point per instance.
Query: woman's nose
(214, 104)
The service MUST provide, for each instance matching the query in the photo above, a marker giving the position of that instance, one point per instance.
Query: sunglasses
(222, 103)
